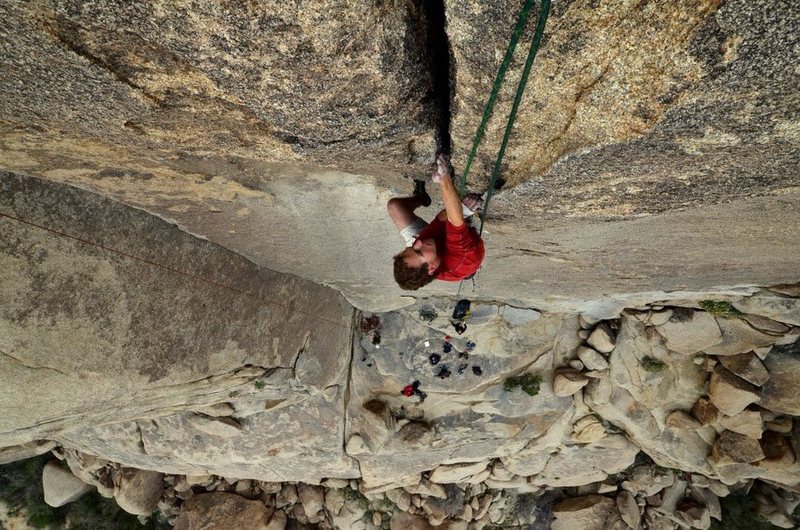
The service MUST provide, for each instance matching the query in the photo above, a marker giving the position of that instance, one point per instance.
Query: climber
(447, 249)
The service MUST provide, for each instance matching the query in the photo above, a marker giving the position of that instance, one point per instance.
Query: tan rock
(587, 430)
(582, 513)
(400, 497)
(648, 480)
(747, 422)
(781, 393)
(453, 473)
(137, 491)
(705, 411)
(222, 511)
(781, 424)
(777, 450)
(765, 324)
(729, 393)
(602, 338)
(427, 488)
(628, 509)
(60, 485)
(659, 318)
(689, 332)
(738, 337)
(748, 366)
(732, 447)
(312, 498)
(591, 359)
(680, 419)
(771, 305)
(567, 381)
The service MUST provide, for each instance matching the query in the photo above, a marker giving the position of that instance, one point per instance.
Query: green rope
(537, 38)
(498, 81)
(544, 11)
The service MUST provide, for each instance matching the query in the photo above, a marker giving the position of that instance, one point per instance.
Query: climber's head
(416, 266)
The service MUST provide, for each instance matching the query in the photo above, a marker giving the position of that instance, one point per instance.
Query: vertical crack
(441, 68)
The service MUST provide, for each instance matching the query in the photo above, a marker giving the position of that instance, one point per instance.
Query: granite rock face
(656, 106)
(266, 79)
(158, 350)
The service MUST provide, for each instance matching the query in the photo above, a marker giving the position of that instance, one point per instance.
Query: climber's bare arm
(452, 202)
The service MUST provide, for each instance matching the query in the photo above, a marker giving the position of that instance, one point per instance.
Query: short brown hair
(410, 278)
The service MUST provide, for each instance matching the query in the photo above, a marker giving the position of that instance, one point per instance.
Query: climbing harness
(457, 319)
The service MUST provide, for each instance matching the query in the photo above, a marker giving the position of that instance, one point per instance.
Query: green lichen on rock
(529, 384)
(259, 385)
(720, 308)
(652, 364)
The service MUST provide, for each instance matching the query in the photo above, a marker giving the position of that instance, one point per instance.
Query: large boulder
(222, 511)
(138, 491)
(582, 513)
(60, 486)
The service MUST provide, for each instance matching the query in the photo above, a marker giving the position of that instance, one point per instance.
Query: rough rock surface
(127, 337)
(656, 152)
(220, 511)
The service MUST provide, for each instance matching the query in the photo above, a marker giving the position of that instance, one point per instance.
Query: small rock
(567, 381)
(705, 411)
(427, 489)
(659, 318)
(765, 324)
(731, 447)
(688, 332)
(287, 496)
(585, 513)
(137, 491)
(738, 337)
(602, 338)
(782, 424)
(60, 485)
(781, 394)
(198, 480)
(747, 366)
(679, 419)
(312, 498)
(747, 422)
(588, 430)
(584, 334)
(576, 364)
(276, 522)
(407, 521)
(377, 519)
(587, 322)
(729, 393)
(628, 509)
(454, 473)
(592, 359)
(778, 451)
(400, 497)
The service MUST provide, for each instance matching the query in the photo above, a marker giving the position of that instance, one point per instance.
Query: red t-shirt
(459, 247)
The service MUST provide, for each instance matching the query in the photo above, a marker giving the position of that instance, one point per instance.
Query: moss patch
(529, 384)
(652, 364)
(720, 309)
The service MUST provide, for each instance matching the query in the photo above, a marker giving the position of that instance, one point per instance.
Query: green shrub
(529, 383)
(720, 309)
(21, 490)
(652, 364)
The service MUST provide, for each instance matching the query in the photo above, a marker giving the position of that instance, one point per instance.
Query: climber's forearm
(452, 202)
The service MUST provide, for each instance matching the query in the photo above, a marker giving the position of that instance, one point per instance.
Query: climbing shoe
(419, 190)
